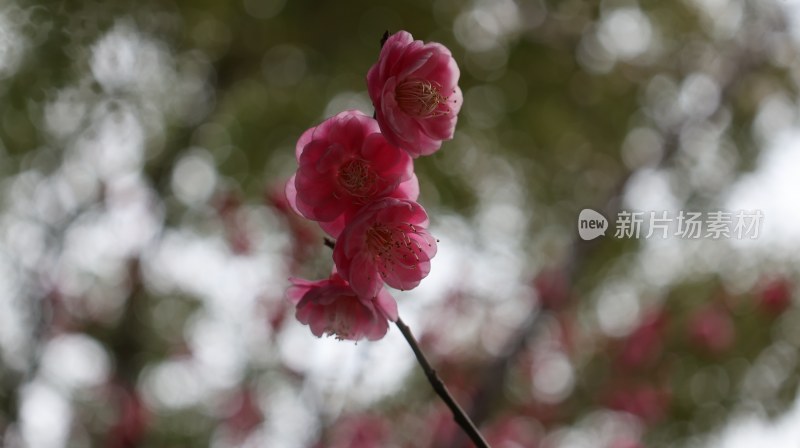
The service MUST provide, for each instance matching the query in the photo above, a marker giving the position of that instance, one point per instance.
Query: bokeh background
(145, 243)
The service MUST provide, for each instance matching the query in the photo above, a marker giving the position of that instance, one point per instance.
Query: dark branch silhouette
(461, 417)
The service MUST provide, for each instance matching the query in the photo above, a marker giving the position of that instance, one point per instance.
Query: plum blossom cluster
(355, 177)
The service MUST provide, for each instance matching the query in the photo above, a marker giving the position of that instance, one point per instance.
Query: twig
(461, 418)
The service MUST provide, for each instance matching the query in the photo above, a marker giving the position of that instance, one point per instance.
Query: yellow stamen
(391, 247)
(420, 98)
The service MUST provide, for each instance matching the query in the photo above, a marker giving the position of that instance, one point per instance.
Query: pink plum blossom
(775, 296)
(414, 88)
(386, 241)
(712, 329)
(626, 443)
(332, 307)
(648, 402)
(133, 417)
(345, 163)
(245, 415)
(358, 431)
(644, 346)
(553, 289)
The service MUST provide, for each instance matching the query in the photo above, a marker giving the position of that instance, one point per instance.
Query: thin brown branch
(461, 417)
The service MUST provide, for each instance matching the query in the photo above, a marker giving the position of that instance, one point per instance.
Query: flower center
(379, 239)
(339, 319)
(392, 247)
(420, 98)
(357, 178)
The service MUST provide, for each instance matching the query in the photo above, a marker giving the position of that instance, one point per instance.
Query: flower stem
(461, 418)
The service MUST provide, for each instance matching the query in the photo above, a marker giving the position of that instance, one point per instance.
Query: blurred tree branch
(494, 376)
